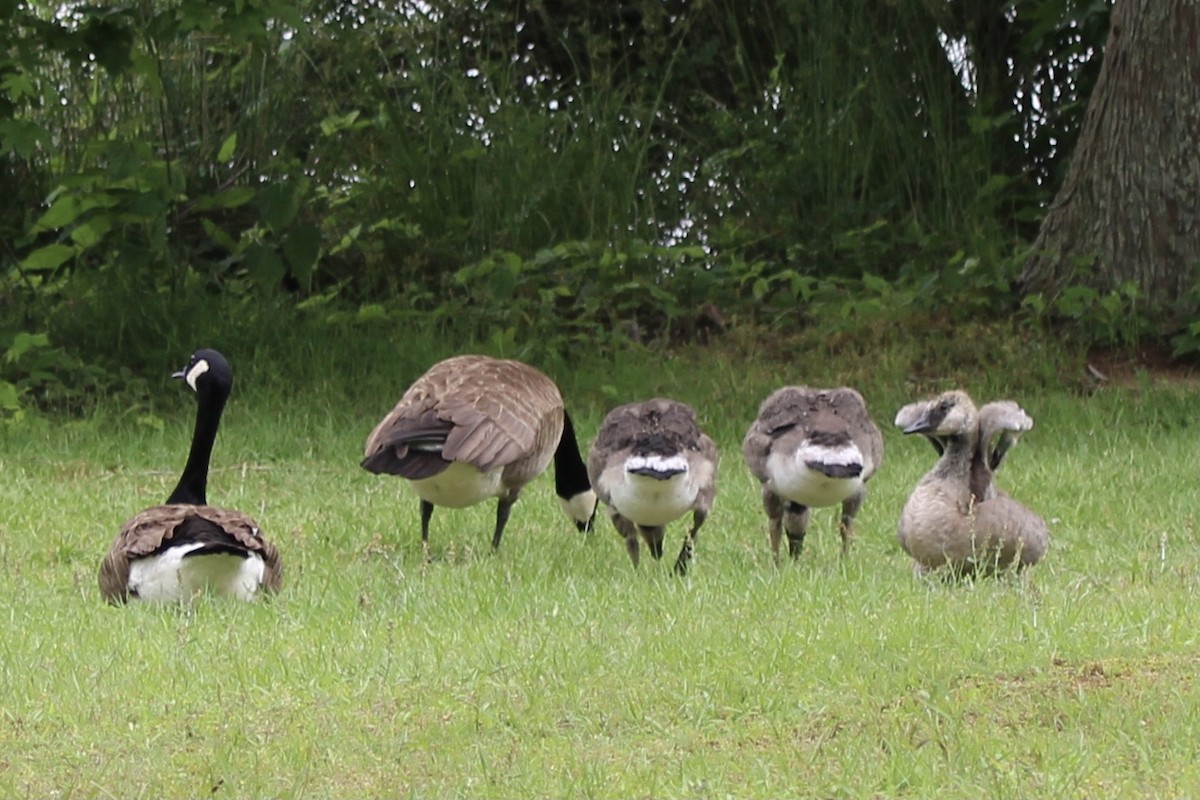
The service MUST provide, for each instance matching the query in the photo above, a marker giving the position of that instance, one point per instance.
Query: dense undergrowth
(328, 350)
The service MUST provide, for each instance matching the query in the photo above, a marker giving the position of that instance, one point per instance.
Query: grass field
(553, 669)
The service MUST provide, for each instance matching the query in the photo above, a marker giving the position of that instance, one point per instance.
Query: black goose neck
(570, 473)
(192, 488)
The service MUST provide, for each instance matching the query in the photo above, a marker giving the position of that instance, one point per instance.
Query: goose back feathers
(474, 427)
(957, 516)
(173, 552)
(650, 465)
(811, 448)
(177, 550)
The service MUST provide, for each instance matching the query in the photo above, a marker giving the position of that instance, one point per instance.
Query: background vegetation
(698, 199)
(527, 171)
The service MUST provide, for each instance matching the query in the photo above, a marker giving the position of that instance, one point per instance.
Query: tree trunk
(1129, 209)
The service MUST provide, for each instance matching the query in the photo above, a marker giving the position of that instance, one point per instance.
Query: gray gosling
(474, 427)
(957, 517)
(812, 448)
(184, 547)
(650, 465)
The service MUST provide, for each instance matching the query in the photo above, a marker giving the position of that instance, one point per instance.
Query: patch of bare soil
(1133, 367)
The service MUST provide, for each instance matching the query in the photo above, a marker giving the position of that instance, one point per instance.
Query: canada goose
(651, 464)
(474, 427)
(811, 448)
(176, 550)
(1000, 425)
(957, 516)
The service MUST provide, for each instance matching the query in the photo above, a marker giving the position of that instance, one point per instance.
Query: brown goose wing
(711, 459)
(495, 408)
(159, 527)
(780, 412)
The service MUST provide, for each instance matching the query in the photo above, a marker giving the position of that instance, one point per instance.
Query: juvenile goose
(1000, 424)
(811, 448)
(957, 517)
(176, 550)
(474, 427)
(651, 464)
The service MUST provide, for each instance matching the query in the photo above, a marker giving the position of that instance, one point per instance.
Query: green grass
(553, 669)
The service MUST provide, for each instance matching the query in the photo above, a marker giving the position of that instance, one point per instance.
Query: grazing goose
(957, 517)
(651, 464)
(475, 427)
(174, 551)
(812, 448)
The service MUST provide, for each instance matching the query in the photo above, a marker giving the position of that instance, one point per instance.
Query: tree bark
(1129, 209)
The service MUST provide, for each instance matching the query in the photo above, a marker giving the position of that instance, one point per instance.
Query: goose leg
(629, 533)
(850, 507)
(795, 523)
(654, 539)
(773, 504)
(426, 515)
(503, 509)
(689, 544)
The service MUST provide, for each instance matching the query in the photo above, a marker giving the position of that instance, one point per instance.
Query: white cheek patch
(193, 374)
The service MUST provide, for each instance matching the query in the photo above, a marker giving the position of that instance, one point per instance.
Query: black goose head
(207, 373)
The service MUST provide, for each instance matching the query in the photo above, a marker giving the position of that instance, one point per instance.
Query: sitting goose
(651, 464)
(812, 448)
(474, 427)
(174, 551)
(956, 516)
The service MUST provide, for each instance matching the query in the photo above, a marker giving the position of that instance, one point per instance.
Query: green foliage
(33, 373)
(574, 173)
(1113, 318)
(578, 295)
(1186, 342)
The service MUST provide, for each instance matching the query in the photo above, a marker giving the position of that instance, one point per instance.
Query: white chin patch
(193, 374)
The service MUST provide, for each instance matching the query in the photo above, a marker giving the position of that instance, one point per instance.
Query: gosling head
(948, 414)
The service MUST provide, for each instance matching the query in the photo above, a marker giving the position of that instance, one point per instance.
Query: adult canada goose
(811, 448)
(176, 550)
(957, 517)
(651, 464)
(475, 427)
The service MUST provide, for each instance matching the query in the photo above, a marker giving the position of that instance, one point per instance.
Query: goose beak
(179, 375)
(923, 424)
